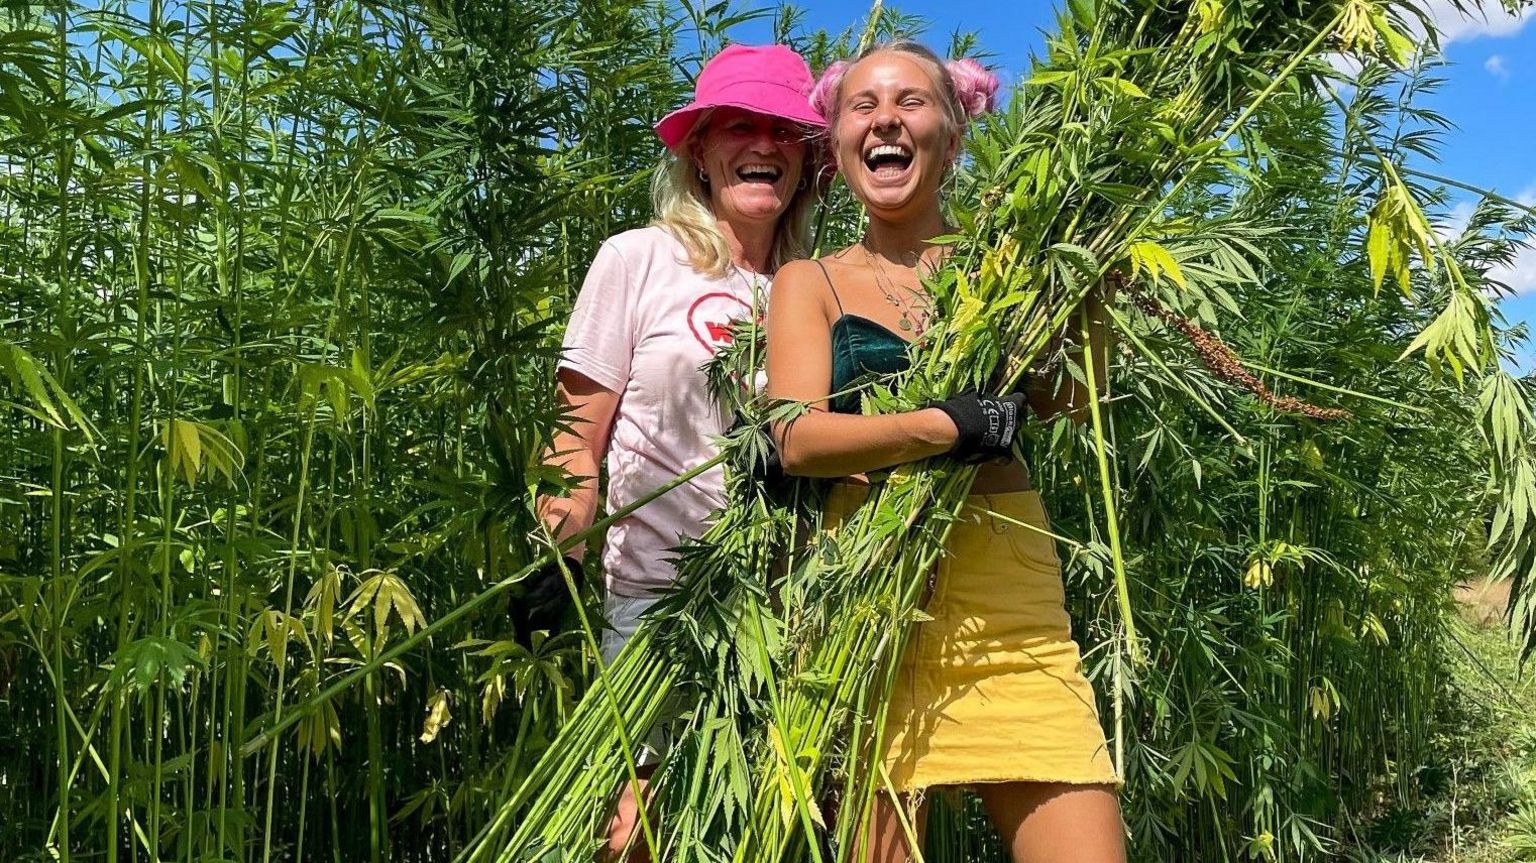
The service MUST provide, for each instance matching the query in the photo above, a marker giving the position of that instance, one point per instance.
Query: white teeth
(886, 150)
(770, 170)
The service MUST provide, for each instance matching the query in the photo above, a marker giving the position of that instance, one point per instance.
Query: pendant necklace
(888, 289)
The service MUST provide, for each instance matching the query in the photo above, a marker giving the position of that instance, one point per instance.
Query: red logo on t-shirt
(710, 318)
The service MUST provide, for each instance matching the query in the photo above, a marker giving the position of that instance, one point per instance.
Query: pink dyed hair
(968, 89)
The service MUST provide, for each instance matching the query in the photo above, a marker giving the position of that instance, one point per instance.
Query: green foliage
(1294, 576)
(280, 287)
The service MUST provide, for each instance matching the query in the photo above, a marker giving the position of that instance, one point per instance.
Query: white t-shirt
(645, 323)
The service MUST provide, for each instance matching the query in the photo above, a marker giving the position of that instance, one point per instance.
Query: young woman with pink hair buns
(990, 693)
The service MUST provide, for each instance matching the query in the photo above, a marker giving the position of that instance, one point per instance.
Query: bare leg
(1054, 822)
(887, 842)
(625, 825)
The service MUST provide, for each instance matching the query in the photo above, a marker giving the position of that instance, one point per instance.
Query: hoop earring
(703, 177)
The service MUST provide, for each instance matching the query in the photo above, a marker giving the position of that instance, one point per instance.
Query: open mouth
(887, 160)
(758, 173)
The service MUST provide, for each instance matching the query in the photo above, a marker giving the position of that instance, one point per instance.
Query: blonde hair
(681, 203)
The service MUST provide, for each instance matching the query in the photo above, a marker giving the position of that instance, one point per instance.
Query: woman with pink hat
(732, 202)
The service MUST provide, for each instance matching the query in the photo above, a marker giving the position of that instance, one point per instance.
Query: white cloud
(1345, 64)
(1455, 26)
(1520, 274)
(1495, 66)
(1456, 220)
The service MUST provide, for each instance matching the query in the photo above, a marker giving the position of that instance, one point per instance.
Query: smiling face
(892, 136)
(754, 163)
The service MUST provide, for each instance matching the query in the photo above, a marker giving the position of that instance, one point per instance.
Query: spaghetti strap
(831, 286)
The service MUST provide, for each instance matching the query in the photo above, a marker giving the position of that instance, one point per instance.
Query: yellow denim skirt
(991, 689)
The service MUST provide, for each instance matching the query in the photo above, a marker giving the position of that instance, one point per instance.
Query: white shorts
(623, 616)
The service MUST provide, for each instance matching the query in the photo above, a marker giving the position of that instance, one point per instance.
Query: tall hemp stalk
(262, 266)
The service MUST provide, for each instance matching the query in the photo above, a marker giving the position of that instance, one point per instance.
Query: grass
(1476, 797)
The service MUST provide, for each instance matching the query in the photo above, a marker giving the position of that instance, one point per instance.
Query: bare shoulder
(798, 274)
(843, 258)
(844, 267)
(799, 283)
(799, 296)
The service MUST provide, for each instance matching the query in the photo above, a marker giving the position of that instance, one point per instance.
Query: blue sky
(1489, 92)
(1490, 96)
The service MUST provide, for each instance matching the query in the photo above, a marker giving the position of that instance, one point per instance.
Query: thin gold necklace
(909, 308)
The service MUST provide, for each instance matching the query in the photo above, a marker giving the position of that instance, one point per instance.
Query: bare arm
(579, 449)
(1058, 392)
(821, 443)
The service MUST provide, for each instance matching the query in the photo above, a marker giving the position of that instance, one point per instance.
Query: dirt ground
(1483, 603)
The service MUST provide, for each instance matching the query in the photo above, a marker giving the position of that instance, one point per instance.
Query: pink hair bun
(975, 87)
(825, 91)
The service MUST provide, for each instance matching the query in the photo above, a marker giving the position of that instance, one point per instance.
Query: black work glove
(544, 598)
(987, 424)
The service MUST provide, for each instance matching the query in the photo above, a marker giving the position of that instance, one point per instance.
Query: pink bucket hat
(767, 79)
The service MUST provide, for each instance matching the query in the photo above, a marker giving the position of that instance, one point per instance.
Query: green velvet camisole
(860, 347)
